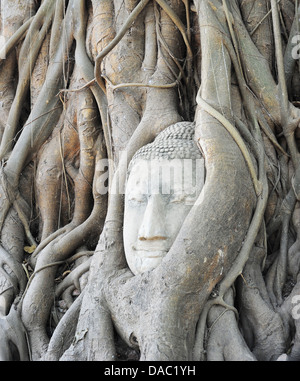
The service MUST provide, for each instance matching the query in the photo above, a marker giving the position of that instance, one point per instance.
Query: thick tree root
(140, 82)
(230, 346)
(14, 342)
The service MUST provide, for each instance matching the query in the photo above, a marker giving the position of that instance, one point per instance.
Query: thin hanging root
(237, 138)
(262, 20)
(64, 173)
(58, 263)
(199, 351)
(298, 22)
(283, 89)
(55, 349)
(14, 266)
(12, 281)
(87, 70)
(42, 284)
(73, 278)
(230, 22)
(188, 20)
(186, 37)
(176, 20)
(56, 26)
(25, 223)
(15, 38)
(270, 135)
(26, 65)
(33, 136)
(60, 232)
(279, 56)
(261, 188)
(133, 16)
(7, 201)
(235, 271)
(122, 85)
(87, 85)
(288, 130)
(166, 47)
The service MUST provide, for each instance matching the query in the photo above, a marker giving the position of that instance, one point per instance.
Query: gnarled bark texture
(84, 85)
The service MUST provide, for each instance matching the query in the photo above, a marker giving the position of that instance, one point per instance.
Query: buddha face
(159, 195)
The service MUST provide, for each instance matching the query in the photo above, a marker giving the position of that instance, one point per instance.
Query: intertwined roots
(82, 82)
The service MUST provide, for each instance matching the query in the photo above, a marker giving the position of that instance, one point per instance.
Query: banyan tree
(98, 97)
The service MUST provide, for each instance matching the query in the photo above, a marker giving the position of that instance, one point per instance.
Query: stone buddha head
(164, 180)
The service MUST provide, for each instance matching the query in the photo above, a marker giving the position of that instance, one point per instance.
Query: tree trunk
(85, 85)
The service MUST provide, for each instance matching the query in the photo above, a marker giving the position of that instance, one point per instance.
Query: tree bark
(84, 85)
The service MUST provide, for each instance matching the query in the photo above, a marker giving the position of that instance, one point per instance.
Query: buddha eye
(183, 198)
(177, 198)
(138, 198)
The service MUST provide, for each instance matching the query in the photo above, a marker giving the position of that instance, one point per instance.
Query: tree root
(138, 9)
(63, 335)
(73, 278)
(18, 279)
(14, 343)
(230, 346)
(35, 315)
(39, 127)
(156, 312)
(42, 18)
(262, 325)
(237, 138)
(15, 38)
(277, 274)
(110, 241)
(289, 311)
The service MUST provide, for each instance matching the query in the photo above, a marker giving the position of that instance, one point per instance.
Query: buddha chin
(146, 261)
(146, 257)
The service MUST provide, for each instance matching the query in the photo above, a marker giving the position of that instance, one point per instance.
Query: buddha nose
(153, 227)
